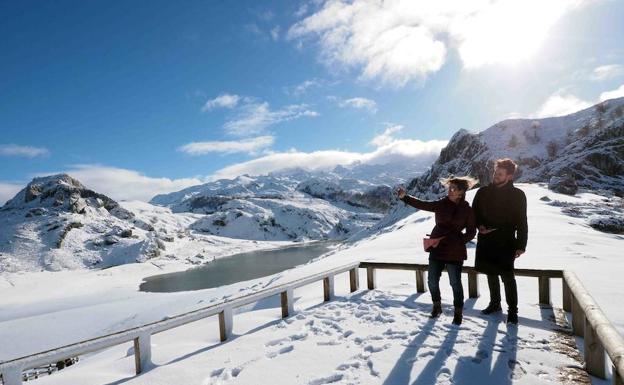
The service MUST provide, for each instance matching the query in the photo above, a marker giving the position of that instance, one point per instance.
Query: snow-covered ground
(377, 337)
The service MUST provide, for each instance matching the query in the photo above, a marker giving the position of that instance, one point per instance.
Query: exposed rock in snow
(564, 185)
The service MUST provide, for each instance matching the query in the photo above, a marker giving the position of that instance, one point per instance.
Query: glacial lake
(236, 268)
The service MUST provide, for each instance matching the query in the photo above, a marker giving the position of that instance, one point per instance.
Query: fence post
(544, 290)
(578, 318)
(142, 352)
(420, 281)
(371, 278)
(354, 279)
(288, 307)
(473, 284)
(226, 323)
(567, 297)
(328, 288)
(617, 380)
(594, 352)
(13, 375)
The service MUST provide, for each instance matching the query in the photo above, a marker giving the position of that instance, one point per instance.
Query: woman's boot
(457, 317)
(437, 309)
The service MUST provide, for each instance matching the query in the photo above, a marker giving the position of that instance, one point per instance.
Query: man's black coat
(504, 209)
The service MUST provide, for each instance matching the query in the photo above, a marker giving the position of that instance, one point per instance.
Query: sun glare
(508, 32)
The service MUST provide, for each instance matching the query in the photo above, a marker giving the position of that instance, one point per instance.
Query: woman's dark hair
(464, 183)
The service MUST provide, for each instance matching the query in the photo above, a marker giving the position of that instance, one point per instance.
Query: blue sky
(136, 98)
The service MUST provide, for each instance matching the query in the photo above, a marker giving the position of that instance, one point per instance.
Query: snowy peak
(61, 192)
(585, 149)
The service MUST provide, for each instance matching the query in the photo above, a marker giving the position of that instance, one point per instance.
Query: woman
(452, 215)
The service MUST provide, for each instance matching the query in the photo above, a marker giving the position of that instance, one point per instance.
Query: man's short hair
(508, 165)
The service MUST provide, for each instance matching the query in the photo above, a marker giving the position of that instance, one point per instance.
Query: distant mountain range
(57, 223)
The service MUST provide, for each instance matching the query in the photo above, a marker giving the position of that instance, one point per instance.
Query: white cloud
(358, 103)
(386, 138)
(608, 71)
(302, 10)
(275, 33)
(124, 184)
(400, 41)
(8, 191)
(618, 93)
(560, 104)
(303, 87)
(222, 101)
(396, 151)
(253, 118)
(27, 151)
(250, 145)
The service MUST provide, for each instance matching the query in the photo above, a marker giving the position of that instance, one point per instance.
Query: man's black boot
(512, 318)
(493, 307)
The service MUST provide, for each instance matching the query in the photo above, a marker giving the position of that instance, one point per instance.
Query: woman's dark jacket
(450, 219)
(504, 209)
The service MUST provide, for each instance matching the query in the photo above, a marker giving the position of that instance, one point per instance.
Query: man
(500, 213)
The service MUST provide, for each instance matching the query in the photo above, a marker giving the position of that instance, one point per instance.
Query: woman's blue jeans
(454, 273)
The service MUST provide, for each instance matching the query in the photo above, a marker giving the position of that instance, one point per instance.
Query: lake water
(236, 268)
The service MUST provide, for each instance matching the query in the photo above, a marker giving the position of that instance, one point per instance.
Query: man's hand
(483, 230)
(400, 191)
(518, 253)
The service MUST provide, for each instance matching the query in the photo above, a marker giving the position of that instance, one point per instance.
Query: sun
(508, 31)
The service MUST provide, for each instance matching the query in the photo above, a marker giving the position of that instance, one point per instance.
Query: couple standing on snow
(499, 213)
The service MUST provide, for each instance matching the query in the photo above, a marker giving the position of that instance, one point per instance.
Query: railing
(11, 370)
(587, 318)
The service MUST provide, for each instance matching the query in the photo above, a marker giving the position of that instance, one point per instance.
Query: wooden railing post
(420, 281)
(473, 284)
(142, 352)
(226, 323)
(578, 318)
(12, 375)
(544, 290)
(328, 288)
(617, 380)
(288, 307)
(567, 297)
(594, 352)
(371, 278)
(354, 279)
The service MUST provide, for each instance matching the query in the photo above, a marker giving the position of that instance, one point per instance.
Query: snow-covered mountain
(581, 150)
(290, 205)
(56, 223)
(585, 149)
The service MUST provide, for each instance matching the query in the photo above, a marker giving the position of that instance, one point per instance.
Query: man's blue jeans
(454, 273)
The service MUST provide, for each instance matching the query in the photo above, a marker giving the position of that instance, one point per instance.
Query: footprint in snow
(480, 356)
(285, 349)
(516, 368)
(327, 380)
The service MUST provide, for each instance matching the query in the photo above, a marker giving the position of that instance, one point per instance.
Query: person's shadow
(400, 373)
(480, 366)
(431, 371)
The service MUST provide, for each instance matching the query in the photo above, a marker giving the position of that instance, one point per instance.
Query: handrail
(587, 318)
(11, 369)
(590, 322)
